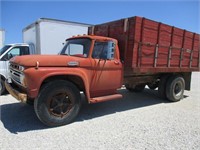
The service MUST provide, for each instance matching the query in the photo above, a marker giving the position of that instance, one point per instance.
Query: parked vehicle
(45, 36)
(49, 35)
(6, 53)
(136, 52)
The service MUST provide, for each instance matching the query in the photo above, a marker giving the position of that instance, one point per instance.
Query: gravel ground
(138, 121)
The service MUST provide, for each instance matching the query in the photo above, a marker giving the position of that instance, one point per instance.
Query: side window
(12, 53)
(24, 50)
(16, 51)
(104, 50)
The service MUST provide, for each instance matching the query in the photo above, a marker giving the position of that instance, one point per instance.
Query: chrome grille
(15, 73)
(14, 66)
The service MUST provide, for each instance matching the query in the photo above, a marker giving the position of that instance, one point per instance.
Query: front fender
(35, 77)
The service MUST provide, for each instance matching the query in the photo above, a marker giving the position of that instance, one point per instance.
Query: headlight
(22, 80)
(21, 68)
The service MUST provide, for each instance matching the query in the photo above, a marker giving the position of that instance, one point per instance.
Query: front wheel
(175, 88)
(58, 103)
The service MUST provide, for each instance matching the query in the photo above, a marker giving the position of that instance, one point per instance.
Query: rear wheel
(162, 87)
(58, 103)
(175, 88)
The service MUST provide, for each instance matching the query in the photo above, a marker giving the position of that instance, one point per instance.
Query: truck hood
(46, 60)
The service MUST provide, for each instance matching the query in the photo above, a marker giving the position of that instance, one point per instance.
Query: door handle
(116, 62)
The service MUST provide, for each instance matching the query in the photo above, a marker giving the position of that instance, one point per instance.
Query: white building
(2, 37)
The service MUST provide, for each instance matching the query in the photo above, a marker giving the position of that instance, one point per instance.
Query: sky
(15, 15)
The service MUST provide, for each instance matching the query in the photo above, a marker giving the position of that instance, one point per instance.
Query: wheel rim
(178, 89)
(60, 104)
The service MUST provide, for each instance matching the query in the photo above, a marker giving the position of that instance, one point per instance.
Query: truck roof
(18, 44)
(56, 21)
(94, 37)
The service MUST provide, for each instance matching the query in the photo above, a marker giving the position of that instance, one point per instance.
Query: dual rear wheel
(170, 87)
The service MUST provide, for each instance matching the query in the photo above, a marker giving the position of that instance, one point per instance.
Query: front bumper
(22, 97)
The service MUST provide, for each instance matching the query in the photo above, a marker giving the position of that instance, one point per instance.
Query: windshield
(4, 49)
(77, 47)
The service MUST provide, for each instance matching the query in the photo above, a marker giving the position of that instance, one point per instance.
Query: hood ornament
(37, 65)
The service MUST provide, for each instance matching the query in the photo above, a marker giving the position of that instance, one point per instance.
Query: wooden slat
(191, 53)
(182, 49)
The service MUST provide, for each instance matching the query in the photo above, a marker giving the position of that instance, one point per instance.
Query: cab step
(105, 98)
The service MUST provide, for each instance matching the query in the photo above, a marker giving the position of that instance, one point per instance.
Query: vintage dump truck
(134, 52)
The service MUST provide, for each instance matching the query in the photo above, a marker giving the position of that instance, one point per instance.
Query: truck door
(107, 69)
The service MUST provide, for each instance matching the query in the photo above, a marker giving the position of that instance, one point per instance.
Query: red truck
(134, 52)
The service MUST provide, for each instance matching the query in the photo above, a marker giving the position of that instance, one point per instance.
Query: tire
(175, 88)
(137, 88)
(58, 103)
(2, 87)
(162, 87)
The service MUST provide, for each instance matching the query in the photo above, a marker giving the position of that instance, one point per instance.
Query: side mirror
(111, 50)
(10, 56)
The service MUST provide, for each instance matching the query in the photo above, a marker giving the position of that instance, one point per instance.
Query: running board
(105, 98)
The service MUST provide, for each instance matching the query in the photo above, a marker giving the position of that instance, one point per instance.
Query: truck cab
(101, 57)
(6, 53)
